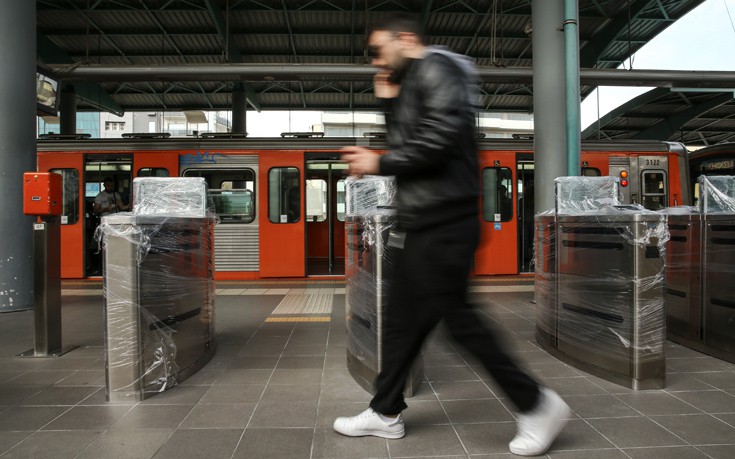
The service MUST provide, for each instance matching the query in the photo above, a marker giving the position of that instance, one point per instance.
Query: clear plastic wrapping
(175, 196)
(159, 292)
(600, 282)
(717, 194)
(370, 221)
(700, 300)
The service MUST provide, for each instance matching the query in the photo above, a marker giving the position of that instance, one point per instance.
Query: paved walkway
(279, 379)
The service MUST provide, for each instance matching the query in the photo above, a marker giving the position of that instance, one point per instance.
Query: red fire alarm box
(42, 193)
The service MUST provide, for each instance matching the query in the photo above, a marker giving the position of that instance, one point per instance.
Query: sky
(704, 39)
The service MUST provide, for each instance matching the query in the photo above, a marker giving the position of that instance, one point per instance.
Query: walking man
(429, 96)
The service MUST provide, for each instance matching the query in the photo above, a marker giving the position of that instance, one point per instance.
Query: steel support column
(549, 141)
(68, 110)
(239, 105)
(17, 150)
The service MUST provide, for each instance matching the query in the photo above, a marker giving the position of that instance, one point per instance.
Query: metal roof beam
(592, 50)
(669, 126)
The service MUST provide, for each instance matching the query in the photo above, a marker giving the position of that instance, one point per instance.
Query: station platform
(279, 378)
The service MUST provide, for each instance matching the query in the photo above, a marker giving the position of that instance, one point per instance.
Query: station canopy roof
(78, 34)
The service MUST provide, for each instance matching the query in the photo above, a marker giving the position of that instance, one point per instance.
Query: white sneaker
(538, 429)
(369, 423)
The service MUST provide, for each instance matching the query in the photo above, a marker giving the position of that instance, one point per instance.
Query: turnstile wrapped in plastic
(600, 280)
(700, 300)
(370, 218)
(159, 288)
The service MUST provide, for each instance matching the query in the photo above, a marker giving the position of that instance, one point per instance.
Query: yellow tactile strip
(300, 301)
(299, 319)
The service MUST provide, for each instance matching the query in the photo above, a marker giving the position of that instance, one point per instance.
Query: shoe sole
(374, 433)
(563, 417)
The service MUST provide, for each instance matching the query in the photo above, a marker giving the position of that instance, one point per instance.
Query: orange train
(281, 202)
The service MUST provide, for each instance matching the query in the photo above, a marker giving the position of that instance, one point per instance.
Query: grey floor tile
(243, 393)
(425, 412)
(610, 453)
(676, 382)
(200, 443)
(275, 414)
(303, 362)
(698, 429)
(209, 416)
(291, 393)
(452, 373)
(255, 362)
(580, 385)
(52, 445)
(579, 435)
(718, 451)
(328, 444)
(471, 411)
(635, 432)
(599, 406)
(84, 378)
(29, 417)
(120, 444)
(486, 438)
(142, 417)
(10, 439)
(15, 395)
(717, 379)
(178, 395)
(658, 403)
(427, 440)
(40, 378)
(88, 418)
(287, 443)
(61, 395)
(236, 377)
(670, 452)
(709, 401)
(462, 390)
(304, 376)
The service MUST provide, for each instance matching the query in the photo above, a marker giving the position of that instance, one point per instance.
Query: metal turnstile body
(611, 318)
(367, 273)
(683, 294)
(718, 294)
(159, 293)
(545, 278)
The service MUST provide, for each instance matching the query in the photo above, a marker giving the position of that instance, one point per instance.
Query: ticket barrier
(600, 283)
(158, 276)
(368, 269)
(700, 299)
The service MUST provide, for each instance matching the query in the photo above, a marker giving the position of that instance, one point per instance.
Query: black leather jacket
(431, 138)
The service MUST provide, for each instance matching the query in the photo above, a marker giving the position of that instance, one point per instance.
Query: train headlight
(623, 174)
(623, 182)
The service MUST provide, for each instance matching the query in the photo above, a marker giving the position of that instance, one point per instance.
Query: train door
(526, 205)
(496, 253)
(71, 168)
(325, 216)
(282, 225)
(118, 167)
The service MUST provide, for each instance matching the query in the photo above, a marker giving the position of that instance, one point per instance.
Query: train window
(70, 195)
(653, 189)
(231, 191)
(590, 172)
(284, 195)
(341, 206)
(316, 200)
(497, 194)
(153, 172)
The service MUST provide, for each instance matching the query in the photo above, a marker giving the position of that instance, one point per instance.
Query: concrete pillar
(549, 105)
(239, 107)
(17, 150)
(68, 110)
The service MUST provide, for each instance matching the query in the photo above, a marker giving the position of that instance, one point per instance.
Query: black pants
(428, 284)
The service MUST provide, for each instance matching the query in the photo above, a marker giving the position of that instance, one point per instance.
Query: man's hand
(361, 161)
(384, 89)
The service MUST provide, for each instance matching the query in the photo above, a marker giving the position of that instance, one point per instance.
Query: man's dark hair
(399, 22)
(108, 179)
